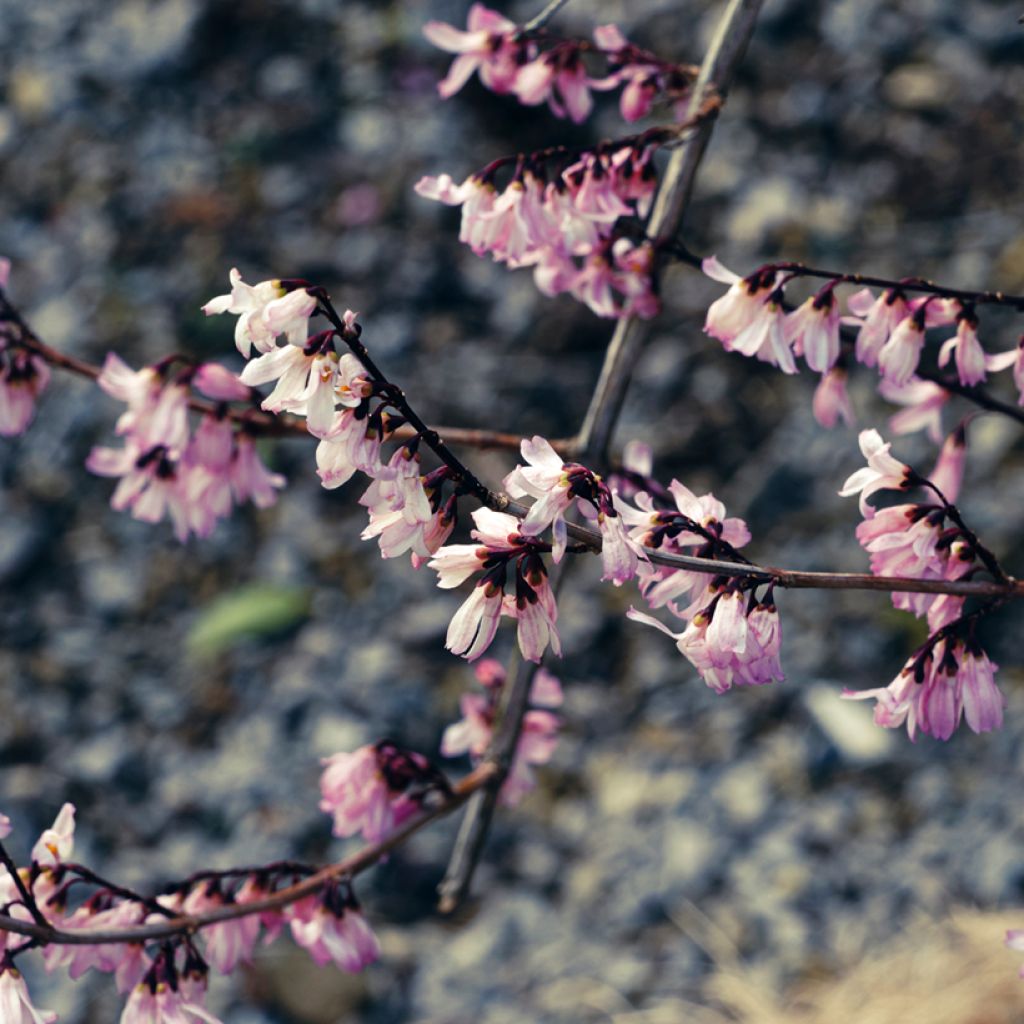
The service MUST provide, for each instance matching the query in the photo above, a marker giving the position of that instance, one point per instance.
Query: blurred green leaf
(258, 610)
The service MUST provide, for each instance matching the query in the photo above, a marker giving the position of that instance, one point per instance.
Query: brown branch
(188, 924)
(256, 421)
(670, 203)
(673, 196)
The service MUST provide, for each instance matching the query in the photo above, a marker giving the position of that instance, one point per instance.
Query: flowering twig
(27, 899)
(256, 422)
(592, 442)
(912, 284)
(727, 47)
(189, 924)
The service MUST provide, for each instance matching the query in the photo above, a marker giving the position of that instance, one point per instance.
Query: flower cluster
(751, 319)
(165, 469)
(564, 226)
(537, 739)
(510, 61)
(945, 680)
(167, 981)
(560, 210)
(345, 408)
(23, 373)
(732, 638)
(557, 486)
(949, 677)
(376, 788)
(501, 546)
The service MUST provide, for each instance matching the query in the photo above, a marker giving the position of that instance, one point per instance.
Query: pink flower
(475, 624)
(941, 683)
(486, 47)
(56, 843)
(15, 1004)
(970, 356)
(23, 378)
(161, 1004)
(353, 443)
(749, 310)
(219, 383)
(882, 472)
(537, 740)
(556, 485)
(901, 353)
(924, 402)
(813, 330)
(729, 643)
(126, 960)
(558, 70)
(331, 929)
(369, 790)
(880, 317)
(831, 400)
(226, 943)
(948, 473)
(250, 480)
(248, 302)
(5, 826)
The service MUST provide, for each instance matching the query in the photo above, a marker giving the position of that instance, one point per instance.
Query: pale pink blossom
(219, 383)
(367, 790)
(159, 1003)
(937, 686)
(729, 643)
(23, 378)
(948, 473)
(57, 843)
(560, 79)
(352, 443)
(332, 930)
(970, 357)
(248, 302)
(556, 486)
(831, 401)
(899, 356)
(15, 1003)
(537, 739)
(883, 471)
(475, 623)
(250, 480)
(226, 943)
(748, 309)
(487, 47)
(812, 331)
(924, 403)
(126, 961)
(880, 317)
(5, 822)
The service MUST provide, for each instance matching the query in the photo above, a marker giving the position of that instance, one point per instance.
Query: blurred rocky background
(182, 695)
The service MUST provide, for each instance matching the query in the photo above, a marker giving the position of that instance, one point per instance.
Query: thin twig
(27, 898)
(730, 41)
(540, 20)
(187, 924)
(592, 442)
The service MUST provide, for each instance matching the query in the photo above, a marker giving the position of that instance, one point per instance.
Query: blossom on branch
(502, 546)
(558, 485)
(883, 471)
(537, 738)
(946, 680)
(375, 789)
(15, 1004)
(331, 928)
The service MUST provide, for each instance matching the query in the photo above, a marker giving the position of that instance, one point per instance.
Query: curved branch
(189, 924)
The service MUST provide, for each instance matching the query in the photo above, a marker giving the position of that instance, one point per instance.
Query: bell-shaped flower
(486, 46)
(883, 471)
